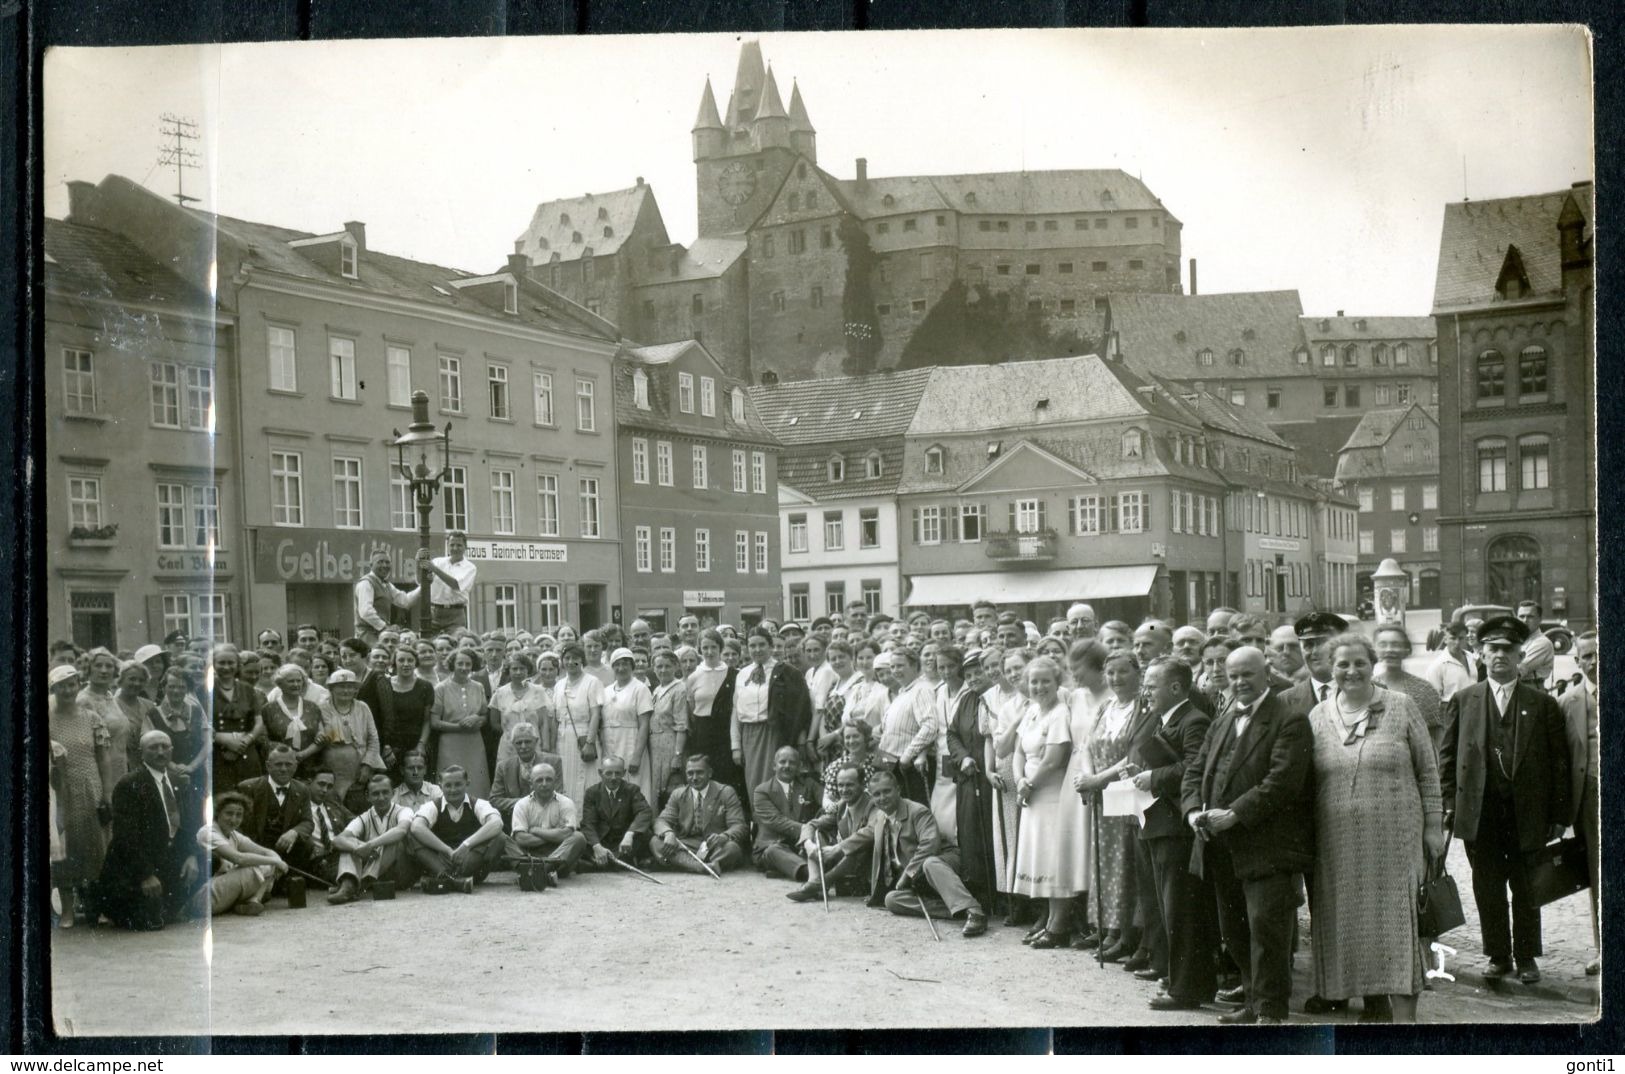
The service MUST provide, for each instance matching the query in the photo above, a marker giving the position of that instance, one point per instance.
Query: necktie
(758, 676)
(1325, 690)
(699, 813)
(172, 808)
(327, 832)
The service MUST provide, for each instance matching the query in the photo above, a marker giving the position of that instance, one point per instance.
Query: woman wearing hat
(457, 719)
(628, 704)
(85, 792)
(349, 735)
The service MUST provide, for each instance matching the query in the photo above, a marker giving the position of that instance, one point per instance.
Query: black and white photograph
(931, 529)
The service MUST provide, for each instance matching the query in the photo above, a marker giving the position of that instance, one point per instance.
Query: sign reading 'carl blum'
(288, 555)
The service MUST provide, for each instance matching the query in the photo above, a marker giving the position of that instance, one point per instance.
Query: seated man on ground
(703, 822)
(511, 783)
(545, 826)
(243, 870)
(152, 863)
(415, 791)
(838, 842)
(279, 814)
(374, 845)
(615, 817)
(914, 870)
(780, 806)
(457, 840)
(327, 819)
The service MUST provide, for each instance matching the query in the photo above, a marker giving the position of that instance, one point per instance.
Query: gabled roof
(807, 468)
(840, 410)
(87, 262)
(981, 398)
(909, 194)
(587, 216)
(1474, 239)
(1377, 427)
(1059, 191)
(1317, 442)
(662, 414)
(1164, 333)
(1070, 470)
(1338, 329)
(1212, 411)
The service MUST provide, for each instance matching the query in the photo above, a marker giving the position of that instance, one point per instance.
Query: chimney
(81, 197)
(640, 180)
(1193, 275)
(358, 231)
(863, 173)
(1340, 313)
(518, 264)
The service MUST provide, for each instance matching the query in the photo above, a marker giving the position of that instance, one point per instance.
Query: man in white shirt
(1081, 623)
(547, 825)
(375, 595)
(1456, 668)
(370, 846)
(458, 839)
(821, 679)
(908, 736)
(415, 791)
(451, 580)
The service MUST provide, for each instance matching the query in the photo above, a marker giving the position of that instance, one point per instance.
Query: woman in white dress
(1005, 700)
(628, 704)
(578, 699)
(1087, 661)
(1049, 849)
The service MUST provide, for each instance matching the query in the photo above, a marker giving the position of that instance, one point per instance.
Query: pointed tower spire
(771, 106)
(772, 124)
(803, 139)
(709, 138)
(708, 119)
(748, 78)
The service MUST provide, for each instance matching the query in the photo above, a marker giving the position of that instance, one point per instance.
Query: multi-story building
(1335, 546)
(1515, 308)
(838, 479)
(1390, 466)
(338, 337)
(142, 482)
(699, 490)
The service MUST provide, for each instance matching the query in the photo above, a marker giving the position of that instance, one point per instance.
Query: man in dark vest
(459, 839)
(375, 595)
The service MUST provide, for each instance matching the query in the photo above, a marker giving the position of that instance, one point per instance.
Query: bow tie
(758, 675)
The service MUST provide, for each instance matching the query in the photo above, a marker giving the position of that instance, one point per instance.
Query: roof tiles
(1474, 239)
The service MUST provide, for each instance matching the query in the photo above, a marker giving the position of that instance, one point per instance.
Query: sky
(1315, 159)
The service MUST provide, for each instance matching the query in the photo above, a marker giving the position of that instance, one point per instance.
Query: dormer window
(347, 259)
(603, 213)
(640, 389)
(1328, 355)
(836, 468)
(1204, 357)
(510, 297)
(1351, 355)
(736, 399)
(1133, 444)
(970, 199)
(1248, 334)
(933, 460)
(1238, 357)
(1218, 456)
(888, 201)
(609, 232)
(872, 465)
(1301, 355)
(564, 220)
(575, 236)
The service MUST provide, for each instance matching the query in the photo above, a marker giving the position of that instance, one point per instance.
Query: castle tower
(771, 128)
(742, 157)
(710, 140)
(803, 139)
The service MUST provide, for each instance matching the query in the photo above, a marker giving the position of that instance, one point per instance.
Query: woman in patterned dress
(239, 730)
(457, 719)
(101, 696)
(1393, 645)
(1378, 823)
(668, 727)
(522, 700)
(1108, 753)
(85, 792)
(857, 743)
(578, 698)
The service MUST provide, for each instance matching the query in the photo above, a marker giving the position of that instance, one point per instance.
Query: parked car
(1365, 609)
(1556, 630)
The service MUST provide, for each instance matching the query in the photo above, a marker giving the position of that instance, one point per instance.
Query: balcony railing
(1036, 547)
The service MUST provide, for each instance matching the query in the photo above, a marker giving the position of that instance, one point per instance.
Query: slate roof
(1211, 410)
(90, 263)
(1163, 334)
(1474, 239)
(1059, 191)
(1317, 442)
(974, 398)
(662, 413)
(706, 259)
(1376, 427)
(807, 470)
(1339, 329)
(909, 194)
(589, 215)
(838, 410)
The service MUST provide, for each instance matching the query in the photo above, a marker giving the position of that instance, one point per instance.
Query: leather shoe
(1528, 972)
(1237, 994)
(802, 895)
(1048, 940)
(1169, 1003)
(1116, 953)
(975, 923)
(1139, 961)
(1497, 970)
(346, 892)
(1244, 1017)
(1317, 1005)
(1034, 933)
(1150, 973)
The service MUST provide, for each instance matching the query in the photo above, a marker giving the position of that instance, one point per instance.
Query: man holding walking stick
(838, 841)
(914, 871)
(703, 828)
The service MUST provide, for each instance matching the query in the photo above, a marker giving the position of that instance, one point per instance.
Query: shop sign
(517, 552)
(1276, 544)
(703, 598)
(285, 555)
(192, 563)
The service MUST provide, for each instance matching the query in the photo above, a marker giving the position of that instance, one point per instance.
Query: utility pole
(181, 131)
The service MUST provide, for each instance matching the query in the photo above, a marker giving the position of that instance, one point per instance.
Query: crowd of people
(1164, 796)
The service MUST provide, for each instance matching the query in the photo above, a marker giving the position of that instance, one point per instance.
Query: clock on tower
(736, 183)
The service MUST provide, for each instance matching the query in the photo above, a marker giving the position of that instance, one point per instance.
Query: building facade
(1515, 308)
(338, 337)
(1335, 546)
(699, 477)
(1390, 466)
(143, 500)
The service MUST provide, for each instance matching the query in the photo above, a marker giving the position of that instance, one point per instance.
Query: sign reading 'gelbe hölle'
(299, 556)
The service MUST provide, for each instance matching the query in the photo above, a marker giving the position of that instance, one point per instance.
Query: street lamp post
(422, 435)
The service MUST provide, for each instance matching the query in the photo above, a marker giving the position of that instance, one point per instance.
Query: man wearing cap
(153, 863)
(375, 595)
(451, 580)
(1313, 631)
(1504, 773)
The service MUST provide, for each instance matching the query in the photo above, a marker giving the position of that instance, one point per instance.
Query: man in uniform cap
(1313, 631)
(1504, 773)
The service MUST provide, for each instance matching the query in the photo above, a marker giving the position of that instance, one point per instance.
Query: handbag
(1557, 871)
(1438, 902)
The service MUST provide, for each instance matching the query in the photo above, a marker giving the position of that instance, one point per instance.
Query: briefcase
(1557, 871)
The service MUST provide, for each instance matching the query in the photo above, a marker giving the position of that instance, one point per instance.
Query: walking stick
(634, 869)
(714, 874)
(823, 885)
(308, 876)
(928, 920)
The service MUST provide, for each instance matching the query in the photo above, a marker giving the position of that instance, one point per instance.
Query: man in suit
(1186, 901)
(1504, 773)
(1249, 797)
(706, 818)
(512, 780)
(327, 819)
(1580, 718)
(153, 863)
(838, 841)
(1286, 658)
(615, 817)
(1314, 630)
(780, 807)
(913, 870)
(279, 814)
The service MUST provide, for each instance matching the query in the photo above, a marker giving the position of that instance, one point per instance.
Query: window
(1492, 465)
(1032, 225)
(1301, 355)
(737, 401)
(502, 502)
(1351, 355)
(640, 389)
(872, 465)
(1492, 372)
(346, 493)
(701, 466)
(279, 348)
(984, 225)
(1534, 462)
(1430, 497)
(1433, 354)
(741, 552)
(640, 460)
(1135, 263)
(1204, 357)
(663, 467)
(341, 365)
(969, 522)
(758, 471)
(398, 375)
(1034, 269)
(1383, 394)
(1131, 222)
(826, 237)
(1176, 519)
(798, 241)
(767, 246)
(547, 502)
(928, 525)
(496, 382)
(708, 397)
(504, 607)
(177, 612)
(211, 616)
(1351, 395)
(798, 533)
(702, 550)
(871, 591)
(542, 388)
(1430, 538)
(1532, 371)
(1133, 444)
(1402, 394)
(586, 414)
(1396, 541)
(800, 601)
(1396, 498)
(1131, 512)
(78, 381)
(1272, 398)
(456, 498)
(739, 472)
(589, 507)
(1027, 516)
(166, 395)
(287, 489)
(834, 598)
(1409, 451)
(933, 460)
(1328, 355)
(402, 511)
(778, 301)
(1085, 515)
(550, 603)
(868, 527)
(451, 383)
(1238, 396)
(85, 502)
(1002, 225)
(834, 531)
(1368, 542)
(815, 298)
(1402, 354)
(200, 399)
(882, 309)
(641, 551)
(1328, 395)
(685, 392)
(171, 515)
(1097, 266)
(1379, 354)
(668, 550)
(883, 228)
(761, 552)
(347, 252)
(510, 297)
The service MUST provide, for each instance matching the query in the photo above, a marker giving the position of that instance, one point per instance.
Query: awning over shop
(1022, 587)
